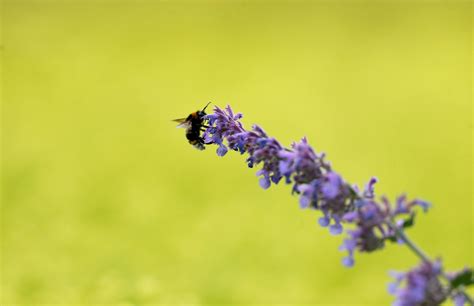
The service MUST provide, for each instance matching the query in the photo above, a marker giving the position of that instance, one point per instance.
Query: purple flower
(370, 232)
(324, 221)
(318, 186)
(374, 221)
(221, 150)
(331, 186)
(326, 194)
(369, 188)
(336, 228)
(405, 206)
(421, 286)
(348, 261)
(265, 150)
(459, 299)
(302, 164)
(308, 193)
(264, 182)
(313, 179)
(336, 200)
(223, 124)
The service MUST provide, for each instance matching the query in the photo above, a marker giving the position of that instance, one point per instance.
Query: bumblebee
(194, 125)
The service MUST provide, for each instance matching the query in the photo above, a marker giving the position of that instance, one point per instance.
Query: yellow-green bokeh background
(103, 201)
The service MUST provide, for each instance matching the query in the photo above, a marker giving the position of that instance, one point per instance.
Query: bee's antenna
(206, 106)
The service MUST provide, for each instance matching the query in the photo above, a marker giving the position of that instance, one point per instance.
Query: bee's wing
(182, 123)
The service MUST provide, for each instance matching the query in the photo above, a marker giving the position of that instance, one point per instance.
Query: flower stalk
(371, 223)
(410, 244)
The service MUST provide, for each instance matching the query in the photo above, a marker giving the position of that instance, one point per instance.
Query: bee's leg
(201, 143)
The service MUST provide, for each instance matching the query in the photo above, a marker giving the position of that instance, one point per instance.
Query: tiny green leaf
(409, 222)
(392, 238)
(464, 278)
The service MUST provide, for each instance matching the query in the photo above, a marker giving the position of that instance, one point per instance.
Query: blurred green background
(104, 201)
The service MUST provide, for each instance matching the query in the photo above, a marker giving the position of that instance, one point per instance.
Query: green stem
(410, 244)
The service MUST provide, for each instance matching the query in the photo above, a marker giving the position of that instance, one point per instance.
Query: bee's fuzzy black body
(194, 125)
(193, 132)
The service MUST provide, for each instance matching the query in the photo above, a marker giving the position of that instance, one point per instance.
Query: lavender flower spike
(374, 221)
(422, 286)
